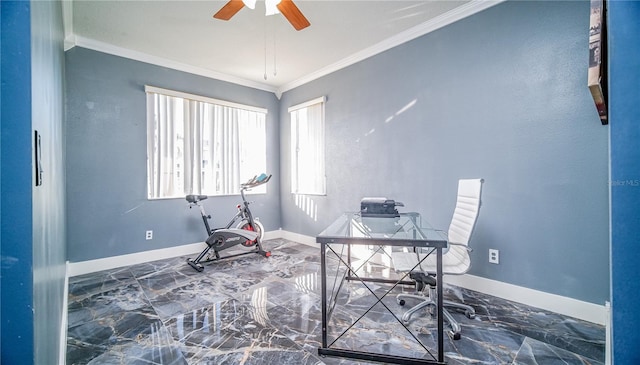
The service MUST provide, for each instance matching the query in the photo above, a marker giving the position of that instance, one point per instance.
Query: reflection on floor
(256, 310)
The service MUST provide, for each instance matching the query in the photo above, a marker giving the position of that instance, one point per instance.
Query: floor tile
(170, 295)
(256, 310)
(229, 332)
(534, 352)
(127, 296)
(135, 336)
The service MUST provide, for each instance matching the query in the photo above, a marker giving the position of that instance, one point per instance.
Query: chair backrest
(466, 213)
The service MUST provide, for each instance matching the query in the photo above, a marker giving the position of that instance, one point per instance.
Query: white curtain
(164, 144)
(307, 150)
(226, 157)
(194, 147)
(252, 145)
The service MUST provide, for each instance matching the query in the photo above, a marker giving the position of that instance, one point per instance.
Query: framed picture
(597, 58)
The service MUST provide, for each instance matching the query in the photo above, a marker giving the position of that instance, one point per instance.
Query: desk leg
(439, 305)
(323, 270)
(350, 273)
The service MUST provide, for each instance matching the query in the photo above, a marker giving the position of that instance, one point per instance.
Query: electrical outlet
(494, 256)
(149, 235)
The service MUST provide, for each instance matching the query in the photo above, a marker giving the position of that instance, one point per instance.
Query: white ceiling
(182, 34)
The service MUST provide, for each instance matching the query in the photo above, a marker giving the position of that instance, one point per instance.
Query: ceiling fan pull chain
(273, 27)
(265, 48)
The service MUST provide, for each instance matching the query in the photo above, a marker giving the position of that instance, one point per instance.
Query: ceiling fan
(286, 7)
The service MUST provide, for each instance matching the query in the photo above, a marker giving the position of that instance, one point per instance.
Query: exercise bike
(248, 232)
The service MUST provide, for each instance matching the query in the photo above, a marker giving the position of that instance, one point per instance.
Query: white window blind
(198, 145)
(307, 148)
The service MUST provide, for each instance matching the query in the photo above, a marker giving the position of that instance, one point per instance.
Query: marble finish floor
(256, 310)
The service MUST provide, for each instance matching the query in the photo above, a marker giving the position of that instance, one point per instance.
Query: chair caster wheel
(456, 336)
(401, 302)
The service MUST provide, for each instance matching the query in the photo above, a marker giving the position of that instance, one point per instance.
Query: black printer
(379, 207)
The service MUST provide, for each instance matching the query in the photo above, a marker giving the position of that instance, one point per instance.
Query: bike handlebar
(256, 181)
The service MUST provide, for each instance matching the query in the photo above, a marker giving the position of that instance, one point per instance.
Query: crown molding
(473, 7)
(452, 16)
(92, 44)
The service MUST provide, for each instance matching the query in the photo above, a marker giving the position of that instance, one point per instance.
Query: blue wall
(624, 83)
(17, 281)
(500, 95)
(107, 207)
(33, 221)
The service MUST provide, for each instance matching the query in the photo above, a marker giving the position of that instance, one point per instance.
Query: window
(198, 145)
(307, 148)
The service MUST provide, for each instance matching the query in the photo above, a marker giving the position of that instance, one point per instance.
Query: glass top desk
(392, 232)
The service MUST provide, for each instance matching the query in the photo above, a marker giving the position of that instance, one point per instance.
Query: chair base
(429, 301)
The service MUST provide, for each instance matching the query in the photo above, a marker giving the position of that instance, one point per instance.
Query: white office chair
(455, 261)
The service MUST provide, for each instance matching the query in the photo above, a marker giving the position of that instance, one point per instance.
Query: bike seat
(195, 198)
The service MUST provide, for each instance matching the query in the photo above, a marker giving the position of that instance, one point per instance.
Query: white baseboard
(607, 347)
(590, 312)
(108, 263)
(563, 305)
(586, 311)
(64, 322)
(300, 238)
(270, 235)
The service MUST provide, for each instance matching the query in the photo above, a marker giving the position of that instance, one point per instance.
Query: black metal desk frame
(345, 237)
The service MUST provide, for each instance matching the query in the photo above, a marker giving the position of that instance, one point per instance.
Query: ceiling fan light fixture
(251, 4)
(285, 7)
(271, 7)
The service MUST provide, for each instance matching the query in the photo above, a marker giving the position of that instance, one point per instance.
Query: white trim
(163, 62)
(204, 99)
(315, 101)
(607, 343)
(586, 311)
(456, 14)
(452, 16)
(64, 322)
(69, 42)
(271, 235)
(300, 238)
(107, 263)
(590, 312)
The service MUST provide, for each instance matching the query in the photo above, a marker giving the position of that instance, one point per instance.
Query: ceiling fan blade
(229, 9)
(293, 14)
